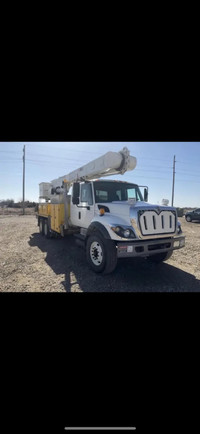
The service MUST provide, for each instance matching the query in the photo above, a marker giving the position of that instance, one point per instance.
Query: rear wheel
(46, 229)
(188, 218)
(41, 226)
(160, 257)
(101, 254)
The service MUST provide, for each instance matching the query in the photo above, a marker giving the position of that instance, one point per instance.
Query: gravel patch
(30, 262)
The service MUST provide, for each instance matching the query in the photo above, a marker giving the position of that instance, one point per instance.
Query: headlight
(127, 233)
(123, 232)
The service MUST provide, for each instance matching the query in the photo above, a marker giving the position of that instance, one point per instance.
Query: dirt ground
(30, 262)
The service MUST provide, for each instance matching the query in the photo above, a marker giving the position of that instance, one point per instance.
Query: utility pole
(23, 179)
(173, 180)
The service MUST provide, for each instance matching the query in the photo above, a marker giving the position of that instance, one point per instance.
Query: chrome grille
(152, 223)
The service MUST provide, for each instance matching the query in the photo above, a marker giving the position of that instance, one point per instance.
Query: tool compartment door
(57, 216)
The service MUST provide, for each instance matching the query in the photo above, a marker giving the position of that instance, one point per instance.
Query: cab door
(86, 206)
(83, 212)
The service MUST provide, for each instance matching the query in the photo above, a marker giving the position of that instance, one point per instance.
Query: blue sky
(47, 160)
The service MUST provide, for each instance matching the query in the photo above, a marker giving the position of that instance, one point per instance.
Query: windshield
(116, 191)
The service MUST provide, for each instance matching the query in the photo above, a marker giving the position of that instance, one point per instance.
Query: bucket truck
(110, 219)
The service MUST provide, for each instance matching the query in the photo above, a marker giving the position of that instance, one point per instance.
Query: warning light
(102, 211)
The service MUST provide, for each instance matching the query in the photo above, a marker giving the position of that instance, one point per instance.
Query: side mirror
(146, 194)
(76, 193)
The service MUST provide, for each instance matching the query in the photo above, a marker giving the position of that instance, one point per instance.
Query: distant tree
(7, 202)
(30, 204)
(18, 205)
(10, 203)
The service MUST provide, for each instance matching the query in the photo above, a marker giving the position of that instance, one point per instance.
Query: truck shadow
(131, 275)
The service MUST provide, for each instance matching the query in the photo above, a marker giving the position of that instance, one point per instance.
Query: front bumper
(149, 247)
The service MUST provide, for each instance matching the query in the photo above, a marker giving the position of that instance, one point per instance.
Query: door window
(86, 194)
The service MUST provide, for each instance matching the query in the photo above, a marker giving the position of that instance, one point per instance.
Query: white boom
(112, 163)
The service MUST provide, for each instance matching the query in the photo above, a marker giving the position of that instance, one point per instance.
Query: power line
(146, 168)
(185, 162)
(136, 170)
(151, 170)
(60, 158)
(13, 175)
(59, 166)
(9, 152)
(154, 159)
(156, 166)
(95, 153)
(150, 177)
(187, 180)
(85, 161)
(81, 161)
(68, 150)
(89, 152)
(70, 166)
(49, 164)
(11, 159)
(188, 174)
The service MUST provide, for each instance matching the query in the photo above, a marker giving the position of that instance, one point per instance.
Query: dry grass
(16, 211)
(30, 262)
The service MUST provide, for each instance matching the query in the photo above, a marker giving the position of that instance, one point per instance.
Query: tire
(101, 254)
(46, 229)
(188, 218)
(160, 257)
(41, 226)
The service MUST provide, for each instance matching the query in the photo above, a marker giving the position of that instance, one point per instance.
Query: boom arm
(112, 163)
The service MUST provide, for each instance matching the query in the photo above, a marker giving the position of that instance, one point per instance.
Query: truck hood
(122, 208)
(148, 220)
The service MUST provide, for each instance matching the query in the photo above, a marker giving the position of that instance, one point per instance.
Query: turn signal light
(102, 211)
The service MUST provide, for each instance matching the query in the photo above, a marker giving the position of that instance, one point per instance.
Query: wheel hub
(96, 253)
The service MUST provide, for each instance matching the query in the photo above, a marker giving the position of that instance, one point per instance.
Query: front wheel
(101, 254)
(160, 257)
(188, 218)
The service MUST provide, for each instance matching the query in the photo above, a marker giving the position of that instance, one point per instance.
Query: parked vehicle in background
(193, 215)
